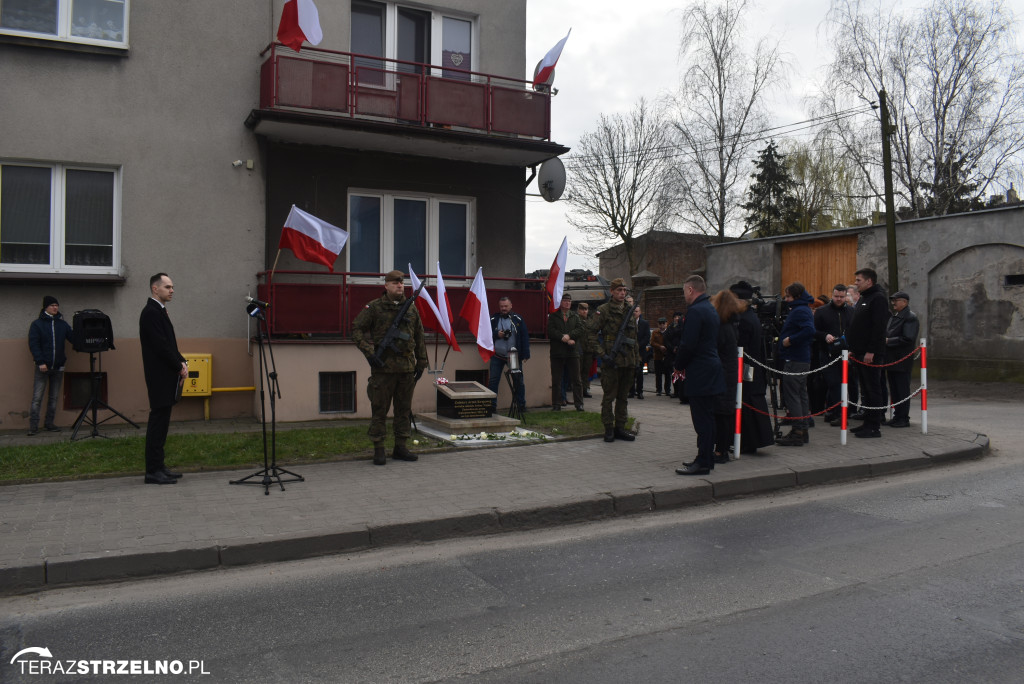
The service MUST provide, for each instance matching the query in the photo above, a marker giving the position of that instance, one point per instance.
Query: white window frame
(63, 35)
(58, 222)
(387, 227)
(436, 27)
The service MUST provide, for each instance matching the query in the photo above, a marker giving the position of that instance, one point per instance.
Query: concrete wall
(673, 256)
(952, 267)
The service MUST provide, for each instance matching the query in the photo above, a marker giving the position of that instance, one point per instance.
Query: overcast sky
(617, 54)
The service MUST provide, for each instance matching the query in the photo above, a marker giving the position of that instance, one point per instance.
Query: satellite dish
(545, 85)
(551, 179)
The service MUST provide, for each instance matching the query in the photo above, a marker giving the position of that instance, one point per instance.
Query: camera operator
(831, 322)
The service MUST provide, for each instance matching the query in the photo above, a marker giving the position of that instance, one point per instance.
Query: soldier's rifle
(394, 332)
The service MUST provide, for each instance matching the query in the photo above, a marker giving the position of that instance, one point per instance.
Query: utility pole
(890, 206)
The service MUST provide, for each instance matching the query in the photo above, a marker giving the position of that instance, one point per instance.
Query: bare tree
(719, 103)
(955, 84)
(617, 179)
(829, 190)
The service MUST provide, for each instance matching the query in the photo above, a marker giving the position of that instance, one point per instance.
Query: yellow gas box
(199, 381)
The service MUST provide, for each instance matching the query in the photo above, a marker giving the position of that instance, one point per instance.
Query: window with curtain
(97, 22)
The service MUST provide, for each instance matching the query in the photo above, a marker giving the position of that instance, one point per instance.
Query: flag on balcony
(547, 65)
(474, 311)
(434, 316)
(299, 22)
(556, 277)
(312, 239)
(444, 307)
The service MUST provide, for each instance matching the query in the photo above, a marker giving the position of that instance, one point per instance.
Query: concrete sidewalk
(66, 533)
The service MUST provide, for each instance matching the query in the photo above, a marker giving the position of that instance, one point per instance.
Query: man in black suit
(164, 367)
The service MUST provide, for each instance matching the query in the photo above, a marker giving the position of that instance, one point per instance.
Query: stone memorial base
(465, 406)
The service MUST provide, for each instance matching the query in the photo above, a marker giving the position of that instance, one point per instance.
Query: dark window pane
(364, 234)
(410, 235)
(456, 39)
(98, 19)
(24, 214)
(368, 39)
(413, 39)
(452, 238)
(89, 218)
(37, 16)
(337, 392)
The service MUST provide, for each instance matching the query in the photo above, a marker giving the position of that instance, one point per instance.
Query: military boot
(609, 434)
(378, 454)
(402, 453)
(620, 433)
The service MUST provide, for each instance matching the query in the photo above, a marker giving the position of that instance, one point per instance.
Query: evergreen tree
(771, 204)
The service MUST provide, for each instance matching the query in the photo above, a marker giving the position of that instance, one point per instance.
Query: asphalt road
(919, 577)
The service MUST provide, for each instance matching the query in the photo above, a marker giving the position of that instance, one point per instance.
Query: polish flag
(474, 311)
(556, 276)
(547, 65)
(299, 22)
(445, 309)
(433, 317)
(312, 239)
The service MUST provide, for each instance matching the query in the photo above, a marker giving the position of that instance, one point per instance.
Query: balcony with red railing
(321, 306)
(339, 91)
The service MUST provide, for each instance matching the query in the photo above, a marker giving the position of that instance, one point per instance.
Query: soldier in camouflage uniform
(617, 374)
(394, 379)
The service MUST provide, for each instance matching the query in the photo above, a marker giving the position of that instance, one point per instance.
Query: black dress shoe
(693, 469)
(899, 422)
(170, 473)
(859, 428)
(720, 458)
(859, 415)
(159, 478)
(623, 435)
(579, 407)
(609, 434)
(588, 395)
(875, 432)
(640, 396)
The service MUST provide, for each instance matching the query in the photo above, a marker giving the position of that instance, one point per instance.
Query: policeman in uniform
(394, 377)
(618, 373)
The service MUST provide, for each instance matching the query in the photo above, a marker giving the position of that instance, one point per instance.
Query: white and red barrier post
(739, 403)
(844, 395)
(924, 386)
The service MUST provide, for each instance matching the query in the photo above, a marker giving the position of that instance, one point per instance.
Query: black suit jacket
(161, 360)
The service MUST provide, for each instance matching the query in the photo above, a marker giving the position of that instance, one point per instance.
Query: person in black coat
(755, 423)
(728, 308)
(831, 323)
(643, 345)
(867, 344)
(901, 339)
(47, 338)
(164, 368)
(698, 357)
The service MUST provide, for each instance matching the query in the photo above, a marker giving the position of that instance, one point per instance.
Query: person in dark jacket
(697, 356)
(508, 330)
(643, 345)
(164, 367)
(47, 337)
(795, 341)
(671, 336)
(728, 309)
(831, 322)
(565, 330)
(755, 424)
(900, 340)
(867, 344)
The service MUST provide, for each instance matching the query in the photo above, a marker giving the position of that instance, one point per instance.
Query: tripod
(268, 375)
(95, 403)
(514, 378)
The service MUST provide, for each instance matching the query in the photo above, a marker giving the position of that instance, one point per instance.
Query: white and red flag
(556, 276)
(444, 308)
(312, 239)
(547, 65)
(299, 22)
(475, 312)
(434, 317)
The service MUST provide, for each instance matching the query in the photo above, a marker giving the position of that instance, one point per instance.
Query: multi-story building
(139, 137)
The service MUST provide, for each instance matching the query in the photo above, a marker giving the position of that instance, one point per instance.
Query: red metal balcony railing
(325, 304)
(407, 93)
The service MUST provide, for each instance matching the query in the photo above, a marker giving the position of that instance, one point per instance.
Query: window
(391, 31)
(59, 218)
(95, 22)
(390, 231)
(338, 392)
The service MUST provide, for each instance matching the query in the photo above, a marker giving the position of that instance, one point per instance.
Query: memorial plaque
(464, 400)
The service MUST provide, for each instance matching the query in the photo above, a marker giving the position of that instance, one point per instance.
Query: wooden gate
(819, 264)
